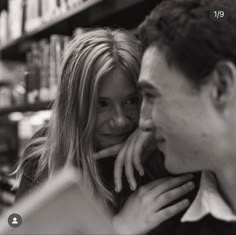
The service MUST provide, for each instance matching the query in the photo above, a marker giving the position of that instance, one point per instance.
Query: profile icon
(14, 220)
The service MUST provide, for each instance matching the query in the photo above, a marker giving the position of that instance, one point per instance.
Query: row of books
(11, 83)
(5, 96)
(27, 15)
(42, 67)
(12, 94)
(37, 79)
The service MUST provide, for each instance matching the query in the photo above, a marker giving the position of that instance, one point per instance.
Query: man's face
(182, 118)
(118, 109)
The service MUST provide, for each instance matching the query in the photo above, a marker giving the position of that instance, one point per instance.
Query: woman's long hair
(87, 60)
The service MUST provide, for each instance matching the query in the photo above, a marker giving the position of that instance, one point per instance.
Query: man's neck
(227, 185)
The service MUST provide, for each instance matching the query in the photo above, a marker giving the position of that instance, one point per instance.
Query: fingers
(169, 184)
(137, 156)
(154, 185)
(169, 212)
(108, 152)
(146, 188)
(124, 159)
(129, 168)
(118, 170)
(172, 195)
(130, 157)
(147, 212)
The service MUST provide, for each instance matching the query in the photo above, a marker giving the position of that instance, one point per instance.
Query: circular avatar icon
(14, 220)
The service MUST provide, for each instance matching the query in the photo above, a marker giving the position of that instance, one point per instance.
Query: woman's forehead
(116, 84)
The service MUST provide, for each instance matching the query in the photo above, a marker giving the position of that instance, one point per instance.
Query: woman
(96, 110)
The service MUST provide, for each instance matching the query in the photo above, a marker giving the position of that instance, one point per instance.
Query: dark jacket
(154, 169)
(207, 226)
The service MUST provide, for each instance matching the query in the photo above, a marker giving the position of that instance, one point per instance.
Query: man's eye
(149, 97)
(133, 100)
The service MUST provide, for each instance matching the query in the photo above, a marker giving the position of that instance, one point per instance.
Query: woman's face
(118, 109)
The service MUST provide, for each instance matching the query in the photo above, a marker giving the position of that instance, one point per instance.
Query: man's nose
(119, 118)
(145, 121)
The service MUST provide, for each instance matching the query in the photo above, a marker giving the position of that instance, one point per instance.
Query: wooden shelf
(90, 14)
(26, 108)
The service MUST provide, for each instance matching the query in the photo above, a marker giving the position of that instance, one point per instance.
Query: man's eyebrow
(145, 85)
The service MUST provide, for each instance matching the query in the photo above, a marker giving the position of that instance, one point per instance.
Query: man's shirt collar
(208, 201)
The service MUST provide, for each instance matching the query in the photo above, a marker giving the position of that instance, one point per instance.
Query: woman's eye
(103, 103)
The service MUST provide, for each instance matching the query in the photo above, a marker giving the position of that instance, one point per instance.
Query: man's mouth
(161, 143)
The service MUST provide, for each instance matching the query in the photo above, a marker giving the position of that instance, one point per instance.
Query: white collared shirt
(208, 201)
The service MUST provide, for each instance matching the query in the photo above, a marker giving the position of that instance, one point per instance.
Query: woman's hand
(134, 152)
(111, 151)
(146, 208)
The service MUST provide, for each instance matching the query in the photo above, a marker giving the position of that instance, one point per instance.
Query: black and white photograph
(118, 117)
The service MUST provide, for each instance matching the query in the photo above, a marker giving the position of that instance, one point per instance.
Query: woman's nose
(119, 118)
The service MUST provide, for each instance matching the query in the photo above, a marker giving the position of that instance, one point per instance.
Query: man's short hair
(190, 39)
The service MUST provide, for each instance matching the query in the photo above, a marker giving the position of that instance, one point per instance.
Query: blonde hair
(88, 58)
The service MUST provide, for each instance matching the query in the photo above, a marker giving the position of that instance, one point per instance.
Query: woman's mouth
(118, 134)
(117, 137)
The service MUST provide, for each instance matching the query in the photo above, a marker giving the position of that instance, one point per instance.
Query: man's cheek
(162, 118)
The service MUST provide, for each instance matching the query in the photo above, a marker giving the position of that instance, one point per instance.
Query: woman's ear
(223, 84)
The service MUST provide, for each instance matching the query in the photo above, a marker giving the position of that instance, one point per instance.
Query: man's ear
(223, 83)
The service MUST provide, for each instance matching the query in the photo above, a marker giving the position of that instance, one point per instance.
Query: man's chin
(172, 166)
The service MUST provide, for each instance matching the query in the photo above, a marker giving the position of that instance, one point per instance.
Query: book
(33, 18)
(45, 6)
(15, 18)
(33, 78)
(56, 50)
(4, 31)
(43, 61)
(64, 6)
(62, 205)
(44, 70)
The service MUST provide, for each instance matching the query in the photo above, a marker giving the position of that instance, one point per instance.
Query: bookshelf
(19, 45)
(26, 108)
(91, 13)
(56, 31)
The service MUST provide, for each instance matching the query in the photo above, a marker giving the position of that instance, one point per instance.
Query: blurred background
(33, 36)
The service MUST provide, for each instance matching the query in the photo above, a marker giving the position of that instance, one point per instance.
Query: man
(188, 83)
